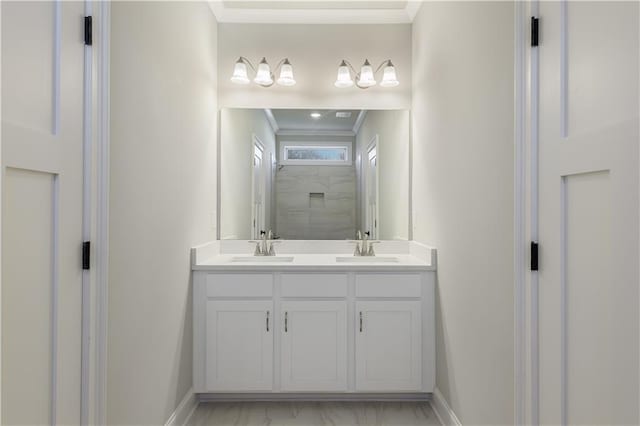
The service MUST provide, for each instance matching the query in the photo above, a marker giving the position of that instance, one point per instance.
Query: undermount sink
(274, 259)
(366, 259)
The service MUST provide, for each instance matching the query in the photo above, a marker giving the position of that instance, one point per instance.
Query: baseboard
(184, 411)
(301, 396)
(444, 413)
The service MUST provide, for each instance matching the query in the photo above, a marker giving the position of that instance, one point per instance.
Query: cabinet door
(314, 346)
(239, 345)
(388, 346)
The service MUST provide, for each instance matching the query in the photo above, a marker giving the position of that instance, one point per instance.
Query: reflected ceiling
(300, 119)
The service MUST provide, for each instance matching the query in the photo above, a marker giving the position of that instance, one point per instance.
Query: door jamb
(526, 63)
(520, 382)
(98, 390)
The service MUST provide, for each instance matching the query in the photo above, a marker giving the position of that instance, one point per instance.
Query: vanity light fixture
(315, 115)
(366, 77)
(264, 76)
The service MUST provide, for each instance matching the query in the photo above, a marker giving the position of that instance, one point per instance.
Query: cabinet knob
(360, 321)
(267, 321)
(286, 322)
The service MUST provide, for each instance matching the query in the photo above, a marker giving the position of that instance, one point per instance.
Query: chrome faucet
(364, 246)
(264, 247)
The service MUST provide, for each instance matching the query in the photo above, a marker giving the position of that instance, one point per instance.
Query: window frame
(287, 145)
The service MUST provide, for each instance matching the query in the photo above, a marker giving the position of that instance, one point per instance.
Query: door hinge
(534, 255)
(535, 31)
(88, 30)
(86, 255)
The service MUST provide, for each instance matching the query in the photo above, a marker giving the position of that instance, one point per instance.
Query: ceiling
(315, 12)
(301, 120)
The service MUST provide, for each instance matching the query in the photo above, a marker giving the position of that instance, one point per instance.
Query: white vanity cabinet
(388, 346)
(314, 346)
(239, 345)
(325, 331)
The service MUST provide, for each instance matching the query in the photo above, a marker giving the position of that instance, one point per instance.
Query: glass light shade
(344, 76)
(366, 76)
(389, 78)
(263, 76)
(286, 75)
(240, 73)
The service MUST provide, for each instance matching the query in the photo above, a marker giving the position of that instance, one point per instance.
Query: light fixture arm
(247, 62)
(347, 63)
(277, 67)
(275, 70)
(385, 62)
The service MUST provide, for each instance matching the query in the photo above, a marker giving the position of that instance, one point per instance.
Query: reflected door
(258, 183)
(42, 110)
(588, 213)
(371, 190)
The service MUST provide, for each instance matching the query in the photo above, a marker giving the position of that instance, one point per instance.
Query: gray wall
(303, 217)
(331, 217)
(463, 108)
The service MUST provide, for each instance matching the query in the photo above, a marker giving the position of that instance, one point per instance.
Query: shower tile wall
(316, 202)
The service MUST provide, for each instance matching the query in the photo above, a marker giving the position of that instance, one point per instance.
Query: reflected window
(316, 154)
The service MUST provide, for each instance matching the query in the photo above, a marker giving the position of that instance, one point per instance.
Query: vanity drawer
(314, 285)
(239, 285)
(388, 285)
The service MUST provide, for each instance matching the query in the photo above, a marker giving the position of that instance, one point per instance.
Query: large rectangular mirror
(314, 174)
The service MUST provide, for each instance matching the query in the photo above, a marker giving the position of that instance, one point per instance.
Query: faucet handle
(357, 251)
(371, 252)
(272, 252)
(258, 250)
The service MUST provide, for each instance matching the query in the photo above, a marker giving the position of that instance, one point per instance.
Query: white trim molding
(359, 121)
(315, 133)
(272, 120)
(184, 411)
(400, 15)
(443, 411)
(101, 295)
(315, 397)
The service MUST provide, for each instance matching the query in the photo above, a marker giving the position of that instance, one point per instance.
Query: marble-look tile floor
(314, 413)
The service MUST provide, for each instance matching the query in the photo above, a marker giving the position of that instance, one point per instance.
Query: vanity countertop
(227, 255)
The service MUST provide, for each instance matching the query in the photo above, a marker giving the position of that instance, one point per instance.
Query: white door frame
(520, 227)
(525, 217)
(98, 389)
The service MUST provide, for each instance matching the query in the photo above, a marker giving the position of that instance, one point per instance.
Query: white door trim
(102, 26)
(532, 329)
(525, 217)
(520, 215)
(87, 214)
(1, 220)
